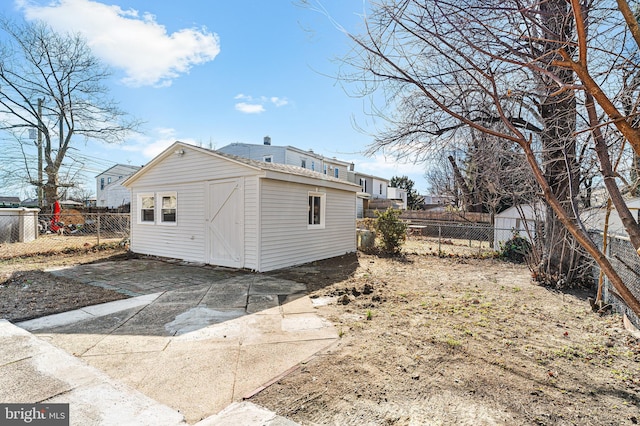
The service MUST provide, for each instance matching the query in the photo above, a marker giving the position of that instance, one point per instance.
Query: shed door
(225, 223)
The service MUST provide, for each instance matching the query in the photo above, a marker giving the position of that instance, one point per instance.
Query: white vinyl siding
(285, 237)
(187, 176)
(275, 211)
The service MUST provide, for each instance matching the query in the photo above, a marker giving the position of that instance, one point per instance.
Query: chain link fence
(25, 235)
(451, 239)
(626, 262)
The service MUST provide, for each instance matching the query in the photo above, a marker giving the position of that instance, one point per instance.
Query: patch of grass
(453, 343)
(369, 315)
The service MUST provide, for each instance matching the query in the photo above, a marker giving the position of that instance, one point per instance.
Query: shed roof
(272, 170)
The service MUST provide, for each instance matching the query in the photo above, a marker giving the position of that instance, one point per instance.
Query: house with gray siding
(201, 205)
(109, 190)
(289, 155)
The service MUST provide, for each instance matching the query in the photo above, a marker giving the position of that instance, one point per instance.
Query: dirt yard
(27, 292)
(460, 341)
(424, 340)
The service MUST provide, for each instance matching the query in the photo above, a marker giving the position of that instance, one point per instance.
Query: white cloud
(249, 108)
(138, 45)
(279, 101)
(253, 105)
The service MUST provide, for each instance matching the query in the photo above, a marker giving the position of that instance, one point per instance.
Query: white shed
(200, 205)
(521, 219)
(594, 218)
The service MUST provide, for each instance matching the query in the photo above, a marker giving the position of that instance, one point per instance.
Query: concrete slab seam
(284, 374)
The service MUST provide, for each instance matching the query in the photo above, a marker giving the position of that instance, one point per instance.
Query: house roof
(128, 166)
(298, 150)
(4, 199)
(359, 174)
(272, 170)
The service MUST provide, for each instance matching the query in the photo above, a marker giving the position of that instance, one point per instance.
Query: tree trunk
(470, 203)
(51, 186)
(558, 113)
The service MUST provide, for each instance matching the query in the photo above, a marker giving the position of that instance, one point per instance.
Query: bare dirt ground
(455, 341)
(27, 292)
(424, 340)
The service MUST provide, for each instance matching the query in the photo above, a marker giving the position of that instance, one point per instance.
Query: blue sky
(217, 72)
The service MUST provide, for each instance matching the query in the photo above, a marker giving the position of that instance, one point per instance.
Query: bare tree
(51, 82)
(515, 70)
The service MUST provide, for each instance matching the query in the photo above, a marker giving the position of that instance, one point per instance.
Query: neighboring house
(9, 201)
(109, 190)
(431, 201)
(289, 155)
(522, 219)
(594, 219)
(373, 185)
(371, 188)
(398, 194)
(200, 205)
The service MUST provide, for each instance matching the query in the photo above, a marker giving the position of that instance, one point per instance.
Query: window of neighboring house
(101, 184)
(108, 180)
(147, 203)
(168, 208)
(325, 169)
(336, 172)
(313, 165)
(380, 189)
(268, 159)
(363, 184)
(316, 209)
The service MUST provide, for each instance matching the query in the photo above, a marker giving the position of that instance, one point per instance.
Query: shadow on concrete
(170, 297)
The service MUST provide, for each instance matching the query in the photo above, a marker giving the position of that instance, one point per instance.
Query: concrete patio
(193, 340)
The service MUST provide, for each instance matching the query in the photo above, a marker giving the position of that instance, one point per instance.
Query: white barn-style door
(225, 223)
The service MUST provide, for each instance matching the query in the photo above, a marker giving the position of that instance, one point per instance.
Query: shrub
(391, 229)
(516, 249)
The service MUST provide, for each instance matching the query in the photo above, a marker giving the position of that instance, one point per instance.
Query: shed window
(316, 209)
(147, 209)
(169, 204)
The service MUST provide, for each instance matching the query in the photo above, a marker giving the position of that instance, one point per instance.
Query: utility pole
(40, 192)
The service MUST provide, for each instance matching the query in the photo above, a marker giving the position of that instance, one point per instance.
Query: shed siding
(183, 241)
(251, 210)
(285, 239)
(187, 176)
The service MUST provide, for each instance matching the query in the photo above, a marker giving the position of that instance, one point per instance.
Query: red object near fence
(55, 220)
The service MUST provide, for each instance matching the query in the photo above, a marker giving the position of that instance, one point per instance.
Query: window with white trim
(336, 173)
(168, 208)
(158, 208)
(325, 169)
(316, 209)
(268, 158)
(147, 203)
